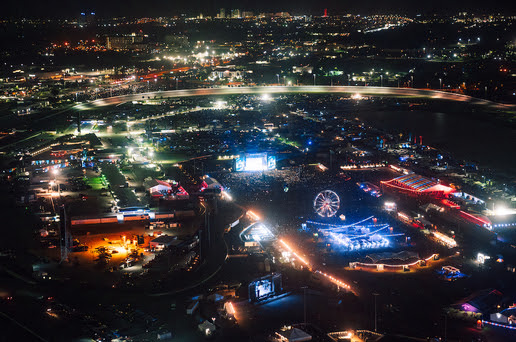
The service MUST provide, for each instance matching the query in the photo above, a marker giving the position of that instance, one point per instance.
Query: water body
(489, 143)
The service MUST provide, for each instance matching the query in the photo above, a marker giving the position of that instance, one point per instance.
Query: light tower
(65, 238)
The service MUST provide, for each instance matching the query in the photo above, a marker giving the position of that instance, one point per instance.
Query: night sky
(109, 8)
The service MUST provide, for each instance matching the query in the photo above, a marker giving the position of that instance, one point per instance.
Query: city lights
(502, 210)
(262, 161)
(253, 215)
(266, 97)
(389, 206)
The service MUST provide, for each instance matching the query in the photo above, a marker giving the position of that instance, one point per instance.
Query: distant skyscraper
(87, 18)
(235, 13)
(222, 13)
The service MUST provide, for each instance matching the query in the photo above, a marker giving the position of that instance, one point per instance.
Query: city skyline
(58, 8)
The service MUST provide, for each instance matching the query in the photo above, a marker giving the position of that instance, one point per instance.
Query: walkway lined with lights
(499, 325)
(363, 264)
(331, 278)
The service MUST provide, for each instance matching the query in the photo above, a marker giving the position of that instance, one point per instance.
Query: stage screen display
(255, 162)
(271, 162)
(240, 164)
(265, 287)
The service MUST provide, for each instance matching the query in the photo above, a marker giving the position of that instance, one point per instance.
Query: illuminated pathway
(332, 279)
(379, 91)
(329, 277)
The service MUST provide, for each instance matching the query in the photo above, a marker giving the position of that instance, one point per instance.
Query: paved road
(383, 91)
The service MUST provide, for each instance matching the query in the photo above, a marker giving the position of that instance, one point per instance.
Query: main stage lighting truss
(358, 235)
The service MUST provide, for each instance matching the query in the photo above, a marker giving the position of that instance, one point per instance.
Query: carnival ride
(326, 203)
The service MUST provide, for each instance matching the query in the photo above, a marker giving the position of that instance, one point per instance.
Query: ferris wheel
(326, 203)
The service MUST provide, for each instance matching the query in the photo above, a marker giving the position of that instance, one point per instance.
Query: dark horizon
(156, 8)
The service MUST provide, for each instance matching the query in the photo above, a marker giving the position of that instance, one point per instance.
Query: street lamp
(277, 75)
(314, 79)
(375, 321)
(304, 301)
(381, 80)
(56, 172)
(440, 83)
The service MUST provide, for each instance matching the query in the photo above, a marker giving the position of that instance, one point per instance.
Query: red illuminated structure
(426, 189)
(476, 219)
(416, 185)
(167, 190)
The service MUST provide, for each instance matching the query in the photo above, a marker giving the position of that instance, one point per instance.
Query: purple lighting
(469, 308)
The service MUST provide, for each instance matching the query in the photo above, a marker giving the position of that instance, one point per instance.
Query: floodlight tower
(65, 238)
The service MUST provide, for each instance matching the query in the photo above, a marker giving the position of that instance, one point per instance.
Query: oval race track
(377, 91)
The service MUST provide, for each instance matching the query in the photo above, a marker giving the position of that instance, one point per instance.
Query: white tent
(294, 335)
(207, 328)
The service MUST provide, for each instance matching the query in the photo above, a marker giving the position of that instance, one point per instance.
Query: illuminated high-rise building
(87, 18)
(235, 13)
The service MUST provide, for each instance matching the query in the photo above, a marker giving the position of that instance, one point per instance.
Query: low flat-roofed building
(482, 301)
(164, 241)
(167, 189)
